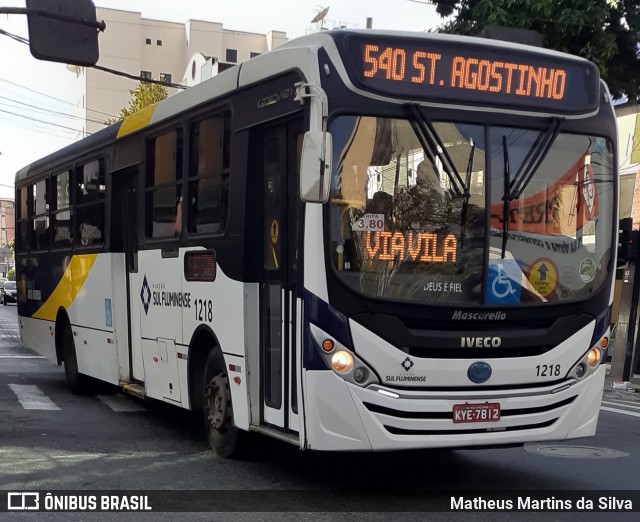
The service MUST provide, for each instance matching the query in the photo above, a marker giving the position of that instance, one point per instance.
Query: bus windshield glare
(410, 216)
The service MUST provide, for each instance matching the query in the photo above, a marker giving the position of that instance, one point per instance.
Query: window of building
(159, 43)
(90, 194)
(145, 75)
(165, 77)
(61, 213)
(253, 54)
(40, 207)
(209, 175)
(232, 56)
(164, 186)
(148, 41)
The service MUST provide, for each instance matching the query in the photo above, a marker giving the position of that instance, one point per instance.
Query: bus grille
(403, 431)
(405, 422)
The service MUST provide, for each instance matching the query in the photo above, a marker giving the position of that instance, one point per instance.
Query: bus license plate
(488, 412)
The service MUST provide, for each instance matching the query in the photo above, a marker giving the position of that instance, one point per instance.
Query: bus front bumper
(344, 417)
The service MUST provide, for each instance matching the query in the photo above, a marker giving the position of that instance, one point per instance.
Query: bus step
(290, 438)
(134, 389)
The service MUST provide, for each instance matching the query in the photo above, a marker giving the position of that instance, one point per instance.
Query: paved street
(50, 438)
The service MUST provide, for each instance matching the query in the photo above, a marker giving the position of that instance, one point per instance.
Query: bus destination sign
(475, 74)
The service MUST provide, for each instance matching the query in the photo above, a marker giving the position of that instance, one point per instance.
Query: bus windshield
(450, 212)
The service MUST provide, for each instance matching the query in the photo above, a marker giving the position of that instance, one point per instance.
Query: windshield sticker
(369, 223)
(543, 276)
(504, 281)
(588, 270)
(427, 248)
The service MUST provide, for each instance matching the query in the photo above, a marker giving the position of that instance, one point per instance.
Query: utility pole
(633, 317)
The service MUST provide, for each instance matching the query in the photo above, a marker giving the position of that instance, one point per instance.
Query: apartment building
(628, 119)
(175, 52)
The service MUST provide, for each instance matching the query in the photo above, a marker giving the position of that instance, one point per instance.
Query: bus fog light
(581, 370)
(342, 362)
(594, 356)
(360, 375)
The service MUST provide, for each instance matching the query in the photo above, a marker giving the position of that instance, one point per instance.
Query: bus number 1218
(204, 310)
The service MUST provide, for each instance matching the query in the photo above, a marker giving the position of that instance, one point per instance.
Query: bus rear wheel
(76, 382)
(224, 437)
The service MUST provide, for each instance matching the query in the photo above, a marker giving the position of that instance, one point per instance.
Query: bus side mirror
(315, 167)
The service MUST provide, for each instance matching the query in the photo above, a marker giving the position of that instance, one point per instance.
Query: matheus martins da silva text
(608, 503)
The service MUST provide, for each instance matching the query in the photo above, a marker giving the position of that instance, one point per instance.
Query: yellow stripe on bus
(136, 121)
(68, 287)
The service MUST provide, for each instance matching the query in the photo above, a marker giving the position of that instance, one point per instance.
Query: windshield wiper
(434, 148)
(513, 189)
(467, 194)
(506, 196)
(534, 159)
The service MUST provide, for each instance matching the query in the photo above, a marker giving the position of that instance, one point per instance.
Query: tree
(144, 95)
(604, 31)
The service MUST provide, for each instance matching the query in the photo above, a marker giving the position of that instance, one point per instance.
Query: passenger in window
(177, 224)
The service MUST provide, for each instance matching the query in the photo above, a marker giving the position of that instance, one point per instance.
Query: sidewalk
(630, 394)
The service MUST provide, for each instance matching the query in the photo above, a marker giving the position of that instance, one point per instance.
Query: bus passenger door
(280, 325)
(124, 238)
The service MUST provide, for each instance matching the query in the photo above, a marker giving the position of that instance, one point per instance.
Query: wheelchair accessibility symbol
(502, 287)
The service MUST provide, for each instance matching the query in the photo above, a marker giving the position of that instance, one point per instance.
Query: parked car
(8, 292)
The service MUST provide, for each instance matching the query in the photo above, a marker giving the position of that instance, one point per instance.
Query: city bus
(361, 241)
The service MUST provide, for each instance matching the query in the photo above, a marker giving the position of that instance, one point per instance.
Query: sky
(38, 114)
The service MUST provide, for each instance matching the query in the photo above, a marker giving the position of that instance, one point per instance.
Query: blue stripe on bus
(324, 316)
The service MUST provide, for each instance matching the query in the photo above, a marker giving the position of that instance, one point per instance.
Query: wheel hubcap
(217, 402)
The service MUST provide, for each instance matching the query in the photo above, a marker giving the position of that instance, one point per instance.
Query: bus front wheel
(224, 437)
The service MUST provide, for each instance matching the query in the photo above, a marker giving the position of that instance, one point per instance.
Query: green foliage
(11, 274)
(603, 31)
(144, 95)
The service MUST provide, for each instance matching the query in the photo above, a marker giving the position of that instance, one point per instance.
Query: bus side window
(22, 237)
(163, 185)
(90, 194)
(40, 236)
(61, 213)
(209, 175)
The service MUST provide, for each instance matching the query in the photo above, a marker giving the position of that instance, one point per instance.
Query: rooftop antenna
(320, 17)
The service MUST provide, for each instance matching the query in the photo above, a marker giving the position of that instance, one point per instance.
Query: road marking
(22, 357)
(623, 403)
(624, 412)
(120, 403)
(32, 398)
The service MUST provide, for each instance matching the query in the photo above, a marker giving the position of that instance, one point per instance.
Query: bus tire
(76, 382)
(217, 411)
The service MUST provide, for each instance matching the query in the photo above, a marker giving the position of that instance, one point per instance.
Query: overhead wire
(43, 121)
(52, 97)
(51, 111)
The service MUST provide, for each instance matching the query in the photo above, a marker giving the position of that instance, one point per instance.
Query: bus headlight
(594, 356)
(342, 362)
(590, 361)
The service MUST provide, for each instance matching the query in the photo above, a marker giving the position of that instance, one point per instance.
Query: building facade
(628, 120)
(7, 235)
(169, 51)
